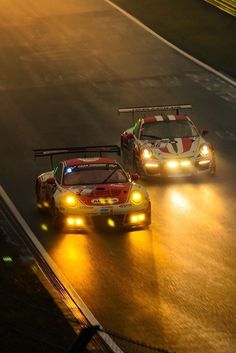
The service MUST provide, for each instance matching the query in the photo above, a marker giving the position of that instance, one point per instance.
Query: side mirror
(135, 176)
(51, 181)
(204, 131)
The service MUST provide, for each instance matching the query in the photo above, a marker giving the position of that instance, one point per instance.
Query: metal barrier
(228, 6)
(88, 337)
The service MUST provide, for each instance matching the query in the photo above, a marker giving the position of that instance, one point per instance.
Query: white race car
(167, 145)
(93, 191)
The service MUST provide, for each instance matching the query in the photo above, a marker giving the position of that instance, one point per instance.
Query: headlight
(204, 150)
(146, 153)
(70, 200)
(136, 197)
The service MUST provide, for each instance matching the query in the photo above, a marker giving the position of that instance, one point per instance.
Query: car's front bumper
(110, 217)
(177, 167)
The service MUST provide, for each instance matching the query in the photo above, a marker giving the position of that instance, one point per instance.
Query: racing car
(167, 144)
(89, 191)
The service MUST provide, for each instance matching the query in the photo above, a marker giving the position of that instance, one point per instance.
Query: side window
(58, 172)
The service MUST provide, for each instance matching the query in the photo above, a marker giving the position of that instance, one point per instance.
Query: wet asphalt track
(65, 69)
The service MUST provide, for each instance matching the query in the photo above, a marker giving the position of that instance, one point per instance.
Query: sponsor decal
(105, 210)
(105, 201)
(126, 205)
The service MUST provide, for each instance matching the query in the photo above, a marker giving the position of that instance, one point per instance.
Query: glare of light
(204, 162)
(70, 221)
(39, 205)
(204, 150)
(172, 164)
(69, 170)
(111, 223)
(44, 227)
(151, 165)
(137, 218)
(136, 197)
(7, 259)
(178, 200)
(71, 200)
(79, 221)
(185, 163)
(45, 204)
(146, 153)
(75, 221)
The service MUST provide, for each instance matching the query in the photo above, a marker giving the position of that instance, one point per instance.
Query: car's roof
(168, 117)
(94, 160)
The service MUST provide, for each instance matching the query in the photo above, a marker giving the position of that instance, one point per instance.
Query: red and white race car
(167, 145)
(81, 192)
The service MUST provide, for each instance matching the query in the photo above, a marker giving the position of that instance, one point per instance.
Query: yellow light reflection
(111, 223)
(44, 227)
(179, 200)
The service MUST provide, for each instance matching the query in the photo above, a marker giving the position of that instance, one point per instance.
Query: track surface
(65, 69)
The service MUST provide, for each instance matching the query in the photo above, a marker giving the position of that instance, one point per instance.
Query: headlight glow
(136, 197)
(137, 218)
(172, 164)
(204, 150)
(75, 221)
(70, 200)
(151, 165)
(146, 153)
(185, 163)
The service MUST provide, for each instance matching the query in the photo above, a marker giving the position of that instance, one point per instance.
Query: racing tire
(56, 217)
(212, 171)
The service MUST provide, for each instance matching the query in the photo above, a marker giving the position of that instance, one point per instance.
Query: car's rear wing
(84, 150)
(134, 110)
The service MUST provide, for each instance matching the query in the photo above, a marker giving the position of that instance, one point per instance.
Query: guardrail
(228, 6)
(91, 337)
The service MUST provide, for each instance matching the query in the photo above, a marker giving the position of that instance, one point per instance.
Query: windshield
(94, 174)
(168, 129)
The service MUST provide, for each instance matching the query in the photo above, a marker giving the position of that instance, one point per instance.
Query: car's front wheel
(56, 217)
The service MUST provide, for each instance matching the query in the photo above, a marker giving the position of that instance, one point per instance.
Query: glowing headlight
(136, 197)
(146, 153)
(185, 163)
(75, 221)
(172, 164)
(70, 200)
(137, 218)
(204, 150)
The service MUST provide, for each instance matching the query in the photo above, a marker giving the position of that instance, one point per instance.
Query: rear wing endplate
(134, 110)
(84, 150)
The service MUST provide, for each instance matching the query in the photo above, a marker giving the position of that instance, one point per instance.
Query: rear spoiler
(175, 107)
(77, 150)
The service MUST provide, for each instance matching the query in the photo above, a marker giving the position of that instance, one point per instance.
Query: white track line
(78, 300)
(190, 57)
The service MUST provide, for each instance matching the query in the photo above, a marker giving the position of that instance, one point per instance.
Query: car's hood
(102, 194)
(167, 148)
